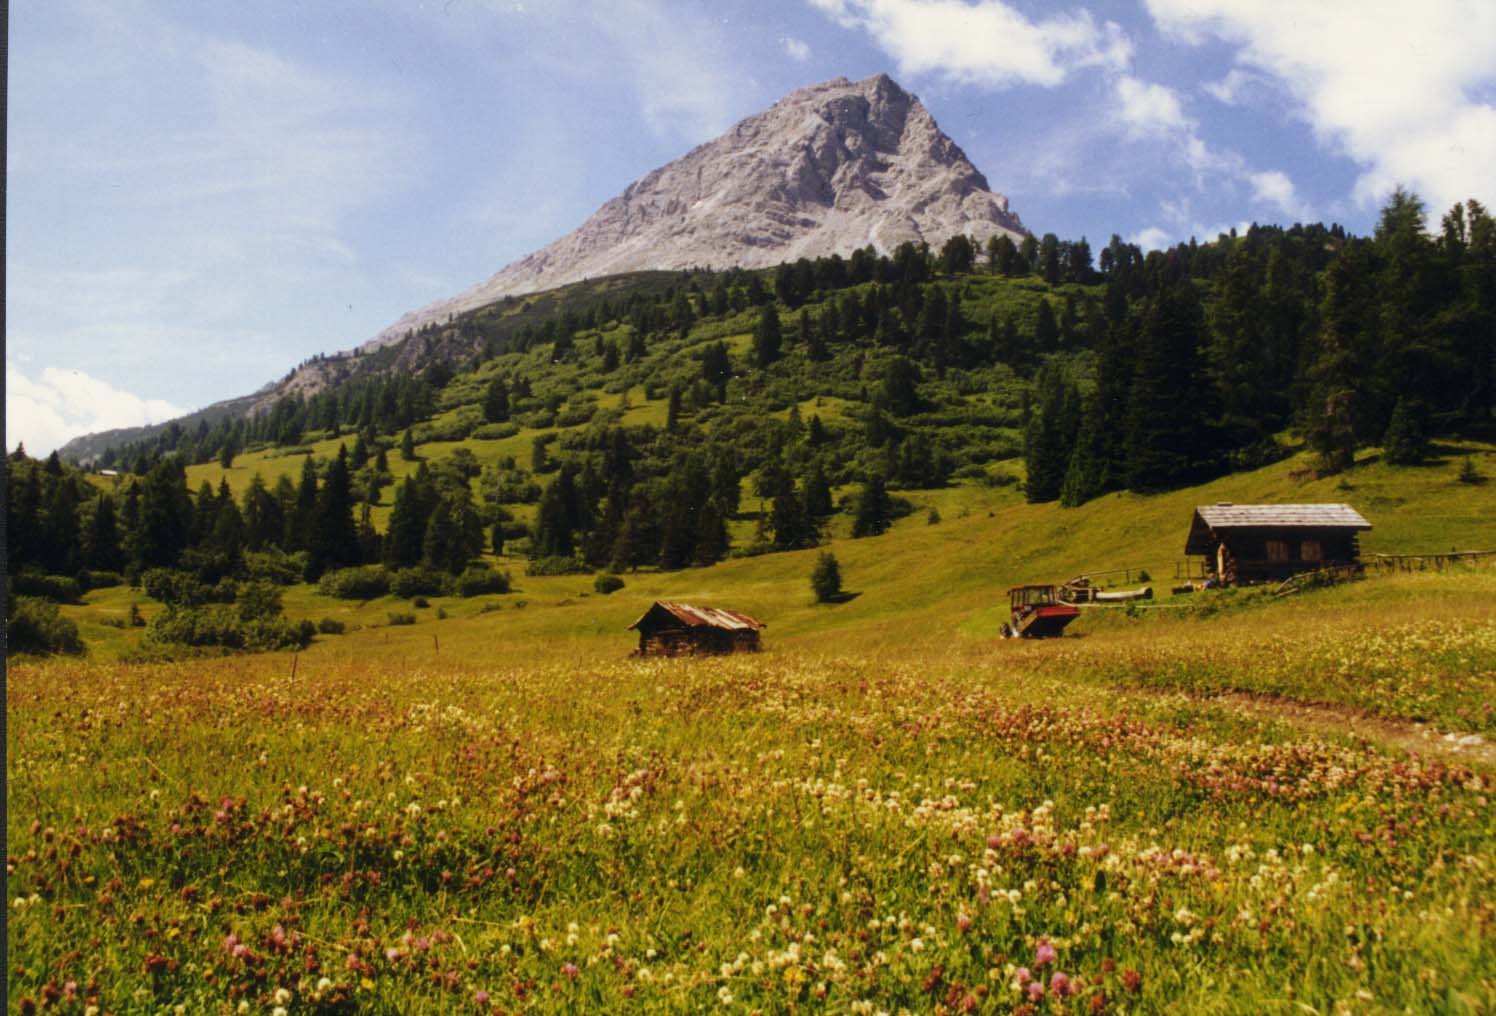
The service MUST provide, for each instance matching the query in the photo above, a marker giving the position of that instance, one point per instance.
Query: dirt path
(1409, 736)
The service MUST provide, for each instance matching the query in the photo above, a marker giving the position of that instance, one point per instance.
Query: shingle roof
(1328, 516)
(698, 617)
(1209, 518)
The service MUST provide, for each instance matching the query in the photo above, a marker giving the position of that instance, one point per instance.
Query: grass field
(1226, 805)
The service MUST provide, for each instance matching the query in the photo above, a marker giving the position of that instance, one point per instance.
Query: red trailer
(1037, 613)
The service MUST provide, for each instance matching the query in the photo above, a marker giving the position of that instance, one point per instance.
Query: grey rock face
(828, 169)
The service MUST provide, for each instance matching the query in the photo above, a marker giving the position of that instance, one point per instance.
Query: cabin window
(1277, 550)
(1312, 550)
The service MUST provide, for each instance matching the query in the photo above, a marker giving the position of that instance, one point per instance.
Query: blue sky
(200, 196)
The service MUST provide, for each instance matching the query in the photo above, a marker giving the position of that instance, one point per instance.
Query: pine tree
(1167, 441)
(767, 339)
(333, 542)
(874, 509)
(496, 402)
(408, 446)
(1406, 441)
(1086, 472)
(1049, 435)
(165, 515)
(102, 550)
(825, 580)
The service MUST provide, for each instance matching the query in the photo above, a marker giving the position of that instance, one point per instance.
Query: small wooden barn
(1246, 543)
(679, 629)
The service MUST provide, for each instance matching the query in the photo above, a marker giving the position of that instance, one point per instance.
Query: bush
(480, 579)
(331, 626)
(399, 618)
(258, 601)
(495, 431)
(1469, 474)
(355, 583)
(606, 584)
(36, 625)
(219, 626)
(420, 603)
(181, 589)
(100, 579)
(275, 565)
(825, 580)
(409, 582)
(61, 588)
(555, 566)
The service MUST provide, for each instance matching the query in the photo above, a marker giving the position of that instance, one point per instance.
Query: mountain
(826, 170)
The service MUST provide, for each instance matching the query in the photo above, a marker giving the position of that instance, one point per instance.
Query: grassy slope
(944, 578)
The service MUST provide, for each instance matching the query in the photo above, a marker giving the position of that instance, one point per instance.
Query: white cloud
(47, 411)
(1152, 238)
(988, 42)
(1273, 187)
(1230, 89)
(1404, 91)
(796, 49)
(1149, 109)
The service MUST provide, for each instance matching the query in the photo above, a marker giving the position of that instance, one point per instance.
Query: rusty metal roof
(1225, 515)
(702, 617)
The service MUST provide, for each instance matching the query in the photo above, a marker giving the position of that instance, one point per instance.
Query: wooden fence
(1430, 562)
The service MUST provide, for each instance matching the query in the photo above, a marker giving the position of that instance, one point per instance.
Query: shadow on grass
(842, 597)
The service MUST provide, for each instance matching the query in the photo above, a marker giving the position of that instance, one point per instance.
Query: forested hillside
(676, 419)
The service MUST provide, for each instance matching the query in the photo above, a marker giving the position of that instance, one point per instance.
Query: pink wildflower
(1060, 986)
(1044, 954)
(1035, 991)
(570, 970)
(481, 998)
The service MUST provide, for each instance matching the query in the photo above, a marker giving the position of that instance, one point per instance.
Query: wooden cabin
(679, 629)
(1247, 543)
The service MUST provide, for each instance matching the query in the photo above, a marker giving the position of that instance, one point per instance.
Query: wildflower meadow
(967, 827)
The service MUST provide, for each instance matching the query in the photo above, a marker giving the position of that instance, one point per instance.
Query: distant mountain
(826, 170)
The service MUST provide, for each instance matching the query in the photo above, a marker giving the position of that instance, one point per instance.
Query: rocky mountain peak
(827, 169)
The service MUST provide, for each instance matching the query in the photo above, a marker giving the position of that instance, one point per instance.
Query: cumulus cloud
(1274, 188)
(1151, 238)
(1402, 91)
(795, 49)
(989, 42)
(46, 411)
(1149, 109)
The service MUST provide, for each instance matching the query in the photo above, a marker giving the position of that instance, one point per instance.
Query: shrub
(100, 579)
(825, 580)
(420, 603)
(409, 582)
(177, 588)
(555, 566)
(606, 584)
(219, 626)
(495, 431)
(331, 626)
(258, 601)
(36, 625)
(274, 565)
(1469, 474)
(136, 619)
(400, 617)
(480, 579)
(355, 583)
(61, 588)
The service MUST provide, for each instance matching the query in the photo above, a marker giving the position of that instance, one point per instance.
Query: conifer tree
(1049, 435)
(1406, 441)
(874, 510)
(767, 338)
(825, 580)
(496, 401)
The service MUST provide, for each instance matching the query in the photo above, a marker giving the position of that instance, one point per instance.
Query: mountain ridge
(829, 168)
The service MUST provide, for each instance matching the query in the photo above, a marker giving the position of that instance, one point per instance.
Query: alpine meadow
(625, 634)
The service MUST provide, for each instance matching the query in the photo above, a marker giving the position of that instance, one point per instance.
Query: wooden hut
(679, 629)
(1246, 543)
